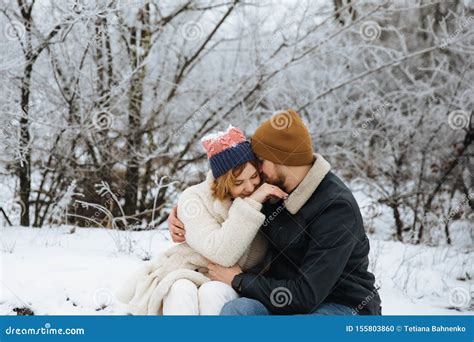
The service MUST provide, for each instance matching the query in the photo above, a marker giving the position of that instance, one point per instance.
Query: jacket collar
(308, 185)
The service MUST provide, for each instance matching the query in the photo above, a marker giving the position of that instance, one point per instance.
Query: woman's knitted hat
(226, 150)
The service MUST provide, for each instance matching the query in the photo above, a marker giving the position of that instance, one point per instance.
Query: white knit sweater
(224, 232)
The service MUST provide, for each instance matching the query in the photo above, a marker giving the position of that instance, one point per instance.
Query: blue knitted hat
(226, 150)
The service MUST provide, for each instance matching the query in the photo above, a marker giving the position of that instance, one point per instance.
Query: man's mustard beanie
(284, 139)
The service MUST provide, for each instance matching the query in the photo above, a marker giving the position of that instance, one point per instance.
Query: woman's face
(246, 183)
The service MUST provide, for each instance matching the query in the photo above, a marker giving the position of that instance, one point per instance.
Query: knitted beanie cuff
(277, 156)
(230, 158)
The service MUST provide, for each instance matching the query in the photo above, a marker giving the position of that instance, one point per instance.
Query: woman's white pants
(185, 298)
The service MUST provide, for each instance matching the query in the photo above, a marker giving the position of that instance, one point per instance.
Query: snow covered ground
(73, 271)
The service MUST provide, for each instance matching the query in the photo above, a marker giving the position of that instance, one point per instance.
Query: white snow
(213, 136)
(53, 271)
(67, 271)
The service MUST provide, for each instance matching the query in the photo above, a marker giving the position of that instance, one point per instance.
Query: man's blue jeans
(251, 307)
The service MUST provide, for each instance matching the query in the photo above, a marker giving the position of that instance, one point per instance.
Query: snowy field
(104, 106)
(74, 271)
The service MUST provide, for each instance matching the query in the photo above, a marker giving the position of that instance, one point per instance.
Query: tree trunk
(134, 142)
(24, 166)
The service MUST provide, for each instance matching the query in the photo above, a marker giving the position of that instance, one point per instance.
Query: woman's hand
(267, 190)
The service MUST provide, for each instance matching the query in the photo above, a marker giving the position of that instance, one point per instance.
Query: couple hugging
(271, 231)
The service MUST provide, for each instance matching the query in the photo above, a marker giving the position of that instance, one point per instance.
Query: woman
(222, 218)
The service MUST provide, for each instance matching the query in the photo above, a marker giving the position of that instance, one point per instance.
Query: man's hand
(176, 227)
(224, 274)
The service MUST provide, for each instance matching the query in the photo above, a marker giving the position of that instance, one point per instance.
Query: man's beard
(280, 182)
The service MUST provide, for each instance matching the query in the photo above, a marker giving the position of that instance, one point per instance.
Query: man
(318, 251)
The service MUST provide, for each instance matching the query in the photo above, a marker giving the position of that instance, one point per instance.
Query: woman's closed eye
(240, 182)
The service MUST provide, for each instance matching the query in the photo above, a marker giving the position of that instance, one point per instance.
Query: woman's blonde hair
(222, 185)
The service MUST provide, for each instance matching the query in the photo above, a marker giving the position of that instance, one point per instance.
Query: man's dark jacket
(318, 254)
